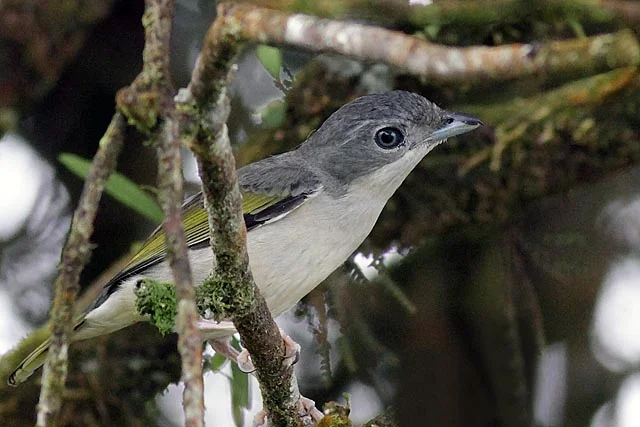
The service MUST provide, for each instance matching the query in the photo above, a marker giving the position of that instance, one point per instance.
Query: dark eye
(389, 137)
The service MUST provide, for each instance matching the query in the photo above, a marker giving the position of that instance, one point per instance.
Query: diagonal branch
(75, 256)
(205, 108)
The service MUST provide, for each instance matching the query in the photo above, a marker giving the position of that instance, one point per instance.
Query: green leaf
(271, 59)
(240, 393)
(119, 187)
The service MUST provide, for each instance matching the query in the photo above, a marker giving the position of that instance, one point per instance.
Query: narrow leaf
(119, 187)
(271, 59)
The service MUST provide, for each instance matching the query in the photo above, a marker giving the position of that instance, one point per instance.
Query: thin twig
(75, 256)
(148, 102)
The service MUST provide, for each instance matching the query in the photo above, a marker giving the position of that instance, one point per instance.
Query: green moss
(336, 415)
(157, 301)
(218, 298)
(223, 297)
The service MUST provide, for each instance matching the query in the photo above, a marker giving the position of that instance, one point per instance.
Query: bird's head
(381, 137)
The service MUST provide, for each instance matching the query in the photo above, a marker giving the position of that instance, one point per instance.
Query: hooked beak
(455, 124)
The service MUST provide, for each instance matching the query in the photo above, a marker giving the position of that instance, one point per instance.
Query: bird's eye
(389, 137)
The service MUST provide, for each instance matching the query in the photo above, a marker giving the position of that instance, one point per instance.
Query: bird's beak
(455, 124)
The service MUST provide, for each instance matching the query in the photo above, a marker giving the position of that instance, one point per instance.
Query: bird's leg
(223, 346)
(305, 407)
(243, 358)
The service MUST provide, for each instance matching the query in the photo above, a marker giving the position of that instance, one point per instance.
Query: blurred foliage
(274, 114)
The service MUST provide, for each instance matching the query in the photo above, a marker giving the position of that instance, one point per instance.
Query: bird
(306, 210)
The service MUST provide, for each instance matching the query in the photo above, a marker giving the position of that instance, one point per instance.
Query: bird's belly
(292, 256)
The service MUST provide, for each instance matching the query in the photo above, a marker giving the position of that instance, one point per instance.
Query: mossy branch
(205, 107)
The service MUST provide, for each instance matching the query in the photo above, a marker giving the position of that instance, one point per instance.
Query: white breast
(291, 257)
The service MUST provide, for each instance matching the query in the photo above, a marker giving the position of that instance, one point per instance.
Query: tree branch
(438, 63)
(148, 101)
(75, 256)
(461, 13)
(189, 339)
(205, 108)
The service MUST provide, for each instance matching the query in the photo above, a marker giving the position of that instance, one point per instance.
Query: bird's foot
(243, 358)
(306, 409)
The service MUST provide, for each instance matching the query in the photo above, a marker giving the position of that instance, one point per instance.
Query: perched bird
(306, 210)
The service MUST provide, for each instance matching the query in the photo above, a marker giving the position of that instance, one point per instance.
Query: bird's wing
(260, 206)
(258, 209)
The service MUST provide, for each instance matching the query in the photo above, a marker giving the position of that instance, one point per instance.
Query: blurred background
(500, 287)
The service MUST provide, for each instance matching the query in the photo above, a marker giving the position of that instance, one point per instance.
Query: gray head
(395, 128)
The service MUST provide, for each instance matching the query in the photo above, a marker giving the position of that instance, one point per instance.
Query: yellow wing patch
(196, 224)
(255, 202)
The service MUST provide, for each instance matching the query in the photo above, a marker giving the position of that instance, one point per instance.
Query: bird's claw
(307, 408)
(291, 349)
(244, 362)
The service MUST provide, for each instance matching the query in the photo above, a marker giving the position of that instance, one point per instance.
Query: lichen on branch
(157, 301)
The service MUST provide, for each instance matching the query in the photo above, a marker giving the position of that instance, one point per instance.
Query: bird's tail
(28, 366)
